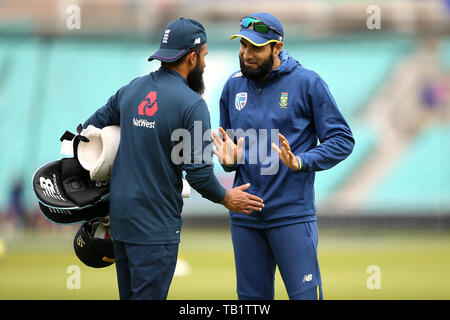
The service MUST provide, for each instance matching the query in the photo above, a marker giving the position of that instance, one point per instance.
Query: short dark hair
(196, 49)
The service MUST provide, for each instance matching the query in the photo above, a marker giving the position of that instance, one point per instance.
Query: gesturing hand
(286, 155)
(238, 200)
(226, 150)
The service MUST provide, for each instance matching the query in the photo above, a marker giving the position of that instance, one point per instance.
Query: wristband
(299, 163)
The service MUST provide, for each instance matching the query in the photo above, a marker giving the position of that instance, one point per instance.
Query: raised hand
(285, 153)
(226, 150)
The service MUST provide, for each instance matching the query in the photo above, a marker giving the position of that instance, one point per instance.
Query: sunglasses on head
(257, 25)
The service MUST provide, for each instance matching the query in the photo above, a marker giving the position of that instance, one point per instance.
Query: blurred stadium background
(387, 205)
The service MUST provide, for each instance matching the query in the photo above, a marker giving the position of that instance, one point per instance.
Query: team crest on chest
(241, 100)
(284, 99)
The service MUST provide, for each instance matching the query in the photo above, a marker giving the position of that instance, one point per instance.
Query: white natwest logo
(197, 41)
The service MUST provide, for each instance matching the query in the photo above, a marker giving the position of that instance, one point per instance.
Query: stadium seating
(420, 181)
(330, 180)
(19, 111)
(59, 83)
(445, 53)
(49, 87)
(353, 68)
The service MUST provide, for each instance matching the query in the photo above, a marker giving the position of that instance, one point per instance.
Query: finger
(240, 143)
(239, 150)
(244, 186)
(216, 143)
(218, 155)
(285, 142)
(283, 139)
(251, 208)
(217, 137)
(286, 146)
(110, 260)
(223, 133)
(275, 147)
(255, 198)
(255, 204)
(213, 135)
(283, 148)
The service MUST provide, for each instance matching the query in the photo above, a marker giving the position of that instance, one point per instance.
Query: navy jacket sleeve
(107, 115)
(199, 168)
(335, 136)
(225, 121)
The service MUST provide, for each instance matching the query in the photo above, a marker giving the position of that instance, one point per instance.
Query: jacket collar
(288, 63)
(173, 72)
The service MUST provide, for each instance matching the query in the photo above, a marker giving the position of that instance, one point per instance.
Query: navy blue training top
(165, 130)
(297, 103)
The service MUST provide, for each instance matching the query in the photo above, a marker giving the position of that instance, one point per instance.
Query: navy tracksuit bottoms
(144, 272)
(293, 248)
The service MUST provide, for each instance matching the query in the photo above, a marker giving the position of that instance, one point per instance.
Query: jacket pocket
(296, 185)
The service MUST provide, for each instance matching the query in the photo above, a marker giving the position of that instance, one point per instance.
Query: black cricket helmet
(93, 244)
(65, 191)
(66, 194)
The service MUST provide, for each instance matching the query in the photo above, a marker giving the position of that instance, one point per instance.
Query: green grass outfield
(412, 264)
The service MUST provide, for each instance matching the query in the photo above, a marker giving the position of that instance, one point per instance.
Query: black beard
(195, 80)
(260, 72)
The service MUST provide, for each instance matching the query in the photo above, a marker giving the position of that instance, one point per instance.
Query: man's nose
(247, 54)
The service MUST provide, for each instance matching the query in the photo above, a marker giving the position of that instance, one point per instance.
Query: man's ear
(192, 58)
(277, 49)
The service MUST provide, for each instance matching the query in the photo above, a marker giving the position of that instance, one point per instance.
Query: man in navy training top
(274, 96)
(146, 178)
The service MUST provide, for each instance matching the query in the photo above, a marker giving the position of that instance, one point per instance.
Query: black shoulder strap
(82, 138)
(76, 139)
(67, 136)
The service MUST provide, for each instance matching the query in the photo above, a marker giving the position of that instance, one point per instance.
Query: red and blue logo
(149, 106)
